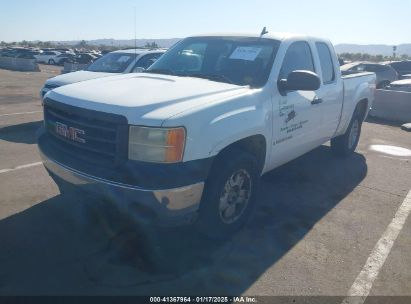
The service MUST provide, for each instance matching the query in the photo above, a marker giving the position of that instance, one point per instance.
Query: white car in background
(118, 62)
(49, 57)
(403, 85)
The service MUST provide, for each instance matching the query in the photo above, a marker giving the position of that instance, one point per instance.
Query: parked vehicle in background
(187, 140)
(65, 50)
(400, 85)
(85, 58)
(65, 57)
(402, 67)
(20, 53)
(385, 73)
(49, 57)
(25, 55)
(124, 61)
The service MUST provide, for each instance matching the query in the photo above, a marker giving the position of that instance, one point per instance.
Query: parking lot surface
(318, 222)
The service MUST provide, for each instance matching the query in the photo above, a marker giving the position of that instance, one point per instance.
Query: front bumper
(165, 207)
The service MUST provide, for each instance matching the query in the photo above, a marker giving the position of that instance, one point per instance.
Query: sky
(348, 21)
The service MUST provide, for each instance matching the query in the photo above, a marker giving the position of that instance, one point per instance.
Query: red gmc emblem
(70, 132)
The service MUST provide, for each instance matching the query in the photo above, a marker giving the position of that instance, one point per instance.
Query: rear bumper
(163, 207)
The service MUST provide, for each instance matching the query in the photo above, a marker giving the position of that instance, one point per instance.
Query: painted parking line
(21, 113)
(361, 288)
(21, 167)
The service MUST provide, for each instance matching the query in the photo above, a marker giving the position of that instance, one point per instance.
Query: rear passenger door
(331, 92)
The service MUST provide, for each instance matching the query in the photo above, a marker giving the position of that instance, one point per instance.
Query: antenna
(263, 32)
(135, 32)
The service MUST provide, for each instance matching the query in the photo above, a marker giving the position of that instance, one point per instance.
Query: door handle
(316, 101)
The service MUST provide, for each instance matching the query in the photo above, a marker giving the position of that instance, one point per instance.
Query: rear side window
(298, 57)
(327, 66)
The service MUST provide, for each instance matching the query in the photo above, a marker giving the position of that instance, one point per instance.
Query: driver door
(297, 117)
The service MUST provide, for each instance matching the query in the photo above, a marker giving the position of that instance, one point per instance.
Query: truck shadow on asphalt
(384, 122)
(24, 133)
(65, 246)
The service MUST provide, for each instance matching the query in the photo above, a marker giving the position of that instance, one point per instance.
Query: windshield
(237, 60)
(112, 63)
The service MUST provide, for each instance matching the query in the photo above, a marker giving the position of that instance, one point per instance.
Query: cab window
(298, 57)
(327, 66)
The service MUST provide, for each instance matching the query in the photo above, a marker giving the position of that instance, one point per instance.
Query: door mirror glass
(300, 81)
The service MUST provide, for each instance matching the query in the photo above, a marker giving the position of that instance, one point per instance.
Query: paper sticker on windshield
(246, 53)
(123, 59)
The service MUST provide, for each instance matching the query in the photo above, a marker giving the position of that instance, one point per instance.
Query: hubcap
(355, 130)
(235, 197)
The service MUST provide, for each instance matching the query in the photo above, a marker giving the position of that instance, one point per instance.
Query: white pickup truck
(187, 140)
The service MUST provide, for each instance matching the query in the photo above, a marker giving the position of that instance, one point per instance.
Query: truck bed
(356, 87)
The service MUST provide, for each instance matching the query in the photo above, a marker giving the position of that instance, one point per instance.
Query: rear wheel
(229, 195)
(51, 61)
(346, 144)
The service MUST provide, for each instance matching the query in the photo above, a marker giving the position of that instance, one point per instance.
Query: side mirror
(138, 70)
(299, 81)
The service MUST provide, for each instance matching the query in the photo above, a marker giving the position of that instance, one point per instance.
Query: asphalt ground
(317, 225)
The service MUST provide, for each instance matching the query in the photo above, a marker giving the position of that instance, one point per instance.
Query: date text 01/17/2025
(203, 300)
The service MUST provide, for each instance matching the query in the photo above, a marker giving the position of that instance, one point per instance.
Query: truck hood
(74, 77)
(145, 99)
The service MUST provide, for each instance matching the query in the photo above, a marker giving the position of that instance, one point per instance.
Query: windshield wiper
(213, 77)
(160, 71)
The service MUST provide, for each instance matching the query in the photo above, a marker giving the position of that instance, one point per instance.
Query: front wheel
(229, 195)
(346, 144)
(51, 61)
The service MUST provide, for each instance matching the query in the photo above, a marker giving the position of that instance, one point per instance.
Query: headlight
(157, 145)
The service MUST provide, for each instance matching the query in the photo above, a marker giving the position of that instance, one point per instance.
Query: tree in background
(152, 45)
(373, 58)
(82, 44)
(405, 57)
(47, 44)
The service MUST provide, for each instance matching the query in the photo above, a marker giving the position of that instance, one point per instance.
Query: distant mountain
(166, 43)
(373, 49)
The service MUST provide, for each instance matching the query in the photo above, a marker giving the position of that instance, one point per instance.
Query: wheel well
(255, 145)
(362, 108)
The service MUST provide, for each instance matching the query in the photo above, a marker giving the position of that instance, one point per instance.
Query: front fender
(214, 127)
(234, 126)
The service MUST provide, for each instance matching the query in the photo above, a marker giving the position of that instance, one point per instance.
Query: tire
(346, 144)
(229, 195)
(51, 61)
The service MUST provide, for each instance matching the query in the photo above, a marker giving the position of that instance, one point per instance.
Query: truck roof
(140, 51)
(273, 35)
